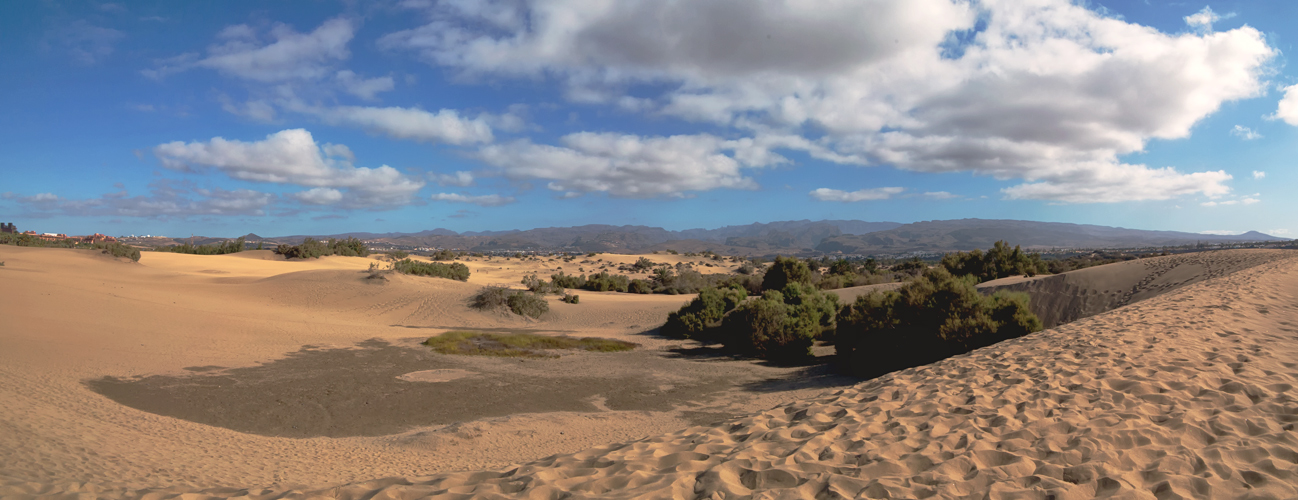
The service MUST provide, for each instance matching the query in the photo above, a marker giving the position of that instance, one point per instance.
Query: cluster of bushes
(443, 255)
(934, 317)
(1000, 261)
(314, 249)
(522, 303)
(780, 325)
(455, 270)
(225, 247)
(665, 280)
(570, 298)
(115, 249)
(1100, 258)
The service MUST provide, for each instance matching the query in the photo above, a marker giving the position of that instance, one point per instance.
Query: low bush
(781, 325)
(119, 250)
(314, 249)
(571, 299)
(1000, 261)
(398, 255)
(702, 313)
(527, 304)
(455, 271)
(226, 247)
(639, 286)
(538, 285)
(934, 317)
(443, 255)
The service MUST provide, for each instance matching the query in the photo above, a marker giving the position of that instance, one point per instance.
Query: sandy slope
(1183, 394)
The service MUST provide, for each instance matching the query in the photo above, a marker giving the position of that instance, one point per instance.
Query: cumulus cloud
(1288, 107)
(940, 195)
(1202, 21)
(319, 196)
(1258, 174)
(826, 194)
(1048, 91)
(364, 88)
(487, 200)
(1245, 133)
(284, 55)
(167, 199)
(444, 126)
(293, 157)
(459, 179)
(623, 165)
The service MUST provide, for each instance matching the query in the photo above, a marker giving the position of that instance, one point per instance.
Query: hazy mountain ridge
(789, 237)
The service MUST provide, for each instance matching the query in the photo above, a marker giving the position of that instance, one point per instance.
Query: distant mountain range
(798, 237)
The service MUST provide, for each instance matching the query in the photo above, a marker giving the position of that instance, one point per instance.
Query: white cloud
(293, 157)
(826, 194)
(1220, 232)
(445, 126)
(319, 196)
(1045, 91)
(1241, 201)
(290, 56)
(167, 199)
(1202, 21)
(1245, 133)
(940, 195)
(624, 165)
(1277, 232)
(488, 200)
(1258, 174)
(362, 87)
(459, 179)
(1287, 110)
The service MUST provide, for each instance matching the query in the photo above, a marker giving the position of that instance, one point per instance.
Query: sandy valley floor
(1185, 393)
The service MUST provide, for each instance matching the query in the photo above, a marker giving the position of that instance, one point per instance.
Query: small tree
(786, 270)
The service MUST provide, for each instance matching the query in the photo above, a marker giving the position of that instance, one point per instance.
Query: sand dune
(1186, 393)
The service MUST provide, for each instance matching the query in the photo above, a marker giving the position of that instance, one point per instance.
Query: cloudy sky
(223, 118)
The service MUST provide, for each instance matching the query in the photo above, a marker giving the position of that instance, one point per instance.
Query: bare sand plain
(1186, 393)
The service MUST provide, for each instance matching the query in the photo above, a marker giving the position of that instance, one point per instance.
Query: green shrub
(567, 281)
(226, 247)
(934, 317)
(538, 285)
(119, 250)
(571, 299)
(398, 255)
(639, 286)
(491, 297)
(786, 270)
(780, 326)
(314, 249)
(605, 282)
(443, 255)
(702, 313)
(998, 262)
(527, 304)
(455, 271)
(642, 264)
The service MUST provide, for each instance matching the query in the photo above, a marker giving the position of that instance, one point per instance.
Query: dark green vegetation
(314, 249)
(780, 325)
(571, 299)
(529, 304)
(226, 247)
(934, 317)
(454, 271)
(1000, 261)
(670, 280)
(443, 255)
(115, 249)
(525, 345)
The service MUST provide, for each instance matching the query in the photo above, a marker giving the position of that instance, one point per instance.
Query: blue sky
(322, 117)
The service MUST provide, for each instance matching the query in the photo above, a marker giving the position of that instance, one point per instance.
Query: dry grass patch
(519, 345)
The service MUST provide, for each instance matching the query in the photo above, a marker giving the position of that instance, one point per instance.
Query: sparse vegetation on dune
(1000, 261)
(525, 345)
(454, 271)
(934, 317)
(314, 249)
(226, 247)
(115, 249)
(522, 303)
